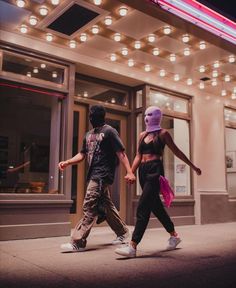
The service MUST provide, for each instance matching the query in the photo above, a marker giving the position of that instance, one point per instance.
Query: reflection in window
(139, 98)
(99, 92)
(29, 137)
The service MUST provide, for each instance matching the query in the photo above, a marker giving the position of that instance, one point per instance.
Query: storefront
(46, 91)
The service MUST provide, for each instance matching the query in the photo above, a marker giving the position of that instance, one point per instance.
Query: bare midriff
(149, 157)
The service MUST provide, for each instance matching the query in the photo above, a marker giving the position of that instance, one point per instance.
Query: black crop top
(153, 147)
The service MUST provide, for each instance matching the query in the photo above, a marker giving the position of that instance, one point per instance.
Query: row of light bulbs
(35, 71)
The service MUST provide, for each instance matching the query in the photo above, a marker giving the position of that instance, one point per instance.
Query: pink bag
(167, 192)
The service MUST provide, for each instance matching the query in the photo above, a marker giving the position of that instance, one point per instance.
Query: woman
(149, 161)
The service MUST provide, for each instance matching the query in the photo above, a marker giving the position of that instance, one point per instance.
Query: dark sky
(224, 7)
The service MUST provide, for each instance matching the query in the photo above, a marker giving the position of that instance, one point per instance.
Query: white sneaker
(127, 251)
(69, 247)
(121, 239)
(173, 242)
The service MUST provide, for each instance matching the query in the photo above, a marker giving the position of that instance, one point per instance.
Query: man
(103, 149)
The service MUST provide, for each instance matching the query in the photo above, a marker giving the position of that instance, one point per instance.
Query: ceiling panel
(170, 44)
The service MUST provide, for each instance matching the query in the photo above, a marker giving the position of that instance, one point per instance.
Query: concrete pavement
(206, 258)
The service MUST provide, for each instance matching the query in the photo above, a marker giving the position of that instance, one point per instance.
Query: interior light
(185, 38)
(214, 82)
(113, 57)
(43, 10)
(162, 73)
(227, 78)
(28, 74)
(172, 57)
(167, 30)
(43, 65)
(155, 51)
(23, 29)
(124, 51)
(97, 2)
(83, 37)
(214, 73)
(202, 69)
(49, 37)
(108, 20)
(201, 85)
(223, 92)
(117, 37)
(36, 70)
(147, 68)
(55, 2)
(137, 44)
(20, 3)
(233, 96)
(123, 11)
(189, 81)
(54, 74)
(95, 29)
(130, 62)
(151, 38)
(234, 89)
(33, 20)
(113, 100)
(216, 64)
(202, 45)
(186, 51)
(72, 44)
(176, 77)
(85, 94)
(231, 58)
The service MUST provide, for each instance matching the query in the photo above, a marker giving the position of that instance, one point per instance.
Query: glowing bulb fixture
(233, 96)
(202, 69)
(130, 62)
(49, 37)
(43, 66)
(155, 51)
(20, 3)
(117, 37)
(36, 70)
(123, 11)
(214, 73)
(227, 78)
(28, 74)
(216, 64)
(124, 51)
(185, 38)
(83, 37)
(162, 73)
(55, 2)
(187, 51)
(113, 57)
(97, 2)
(137, 44)
(189, 81)
(201, 85)
(33, 20)
(151, 38)
(214, 82)
(54, 74)
(231, 58)
(167, 30)
(223, 92)
(176, 77)
(147, 68)
(72, 44)
(108, 20)
(95, 29)
(23, 29)
(172, 57)
(43, 10)
(202, 45)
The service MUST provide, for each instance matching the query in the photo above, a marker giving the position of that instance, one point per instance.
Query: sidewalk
(206, 258)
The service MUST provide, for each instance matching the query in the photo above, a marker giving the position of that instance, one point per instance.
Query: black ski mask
(97, 115)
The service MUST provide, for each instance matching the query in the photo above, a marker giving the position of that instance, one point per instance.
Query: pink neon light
(196, 19)
(211, 12)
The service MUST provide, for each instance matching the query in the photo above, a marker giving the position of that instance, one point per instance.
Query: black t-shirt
(100, 146)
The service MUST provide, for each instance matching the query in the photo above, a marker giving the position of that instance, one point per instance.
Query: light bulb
(151, 38)
(216, 64)
(113, 57)
(185, 38)
(95, 29)
(49, 37)
(162, 73)
(117, 37)
(55, 2)
(234, 89)
(43, 66)
(130, 62)
(72, 44)
(227, 78)
(214, 82)
(97, 2)
(20, 3)
(172, 57)
(123, 11)
(137, 44)
(202, 45)
(201, 85)
(231, 58)
(186, 51)
(108, 20)
(202, 69)
(113, 100)
(36, 70)
(167, 30)
(214, 73)
(54, 74)
(33, 20)
(124, 51)
(147, 68)
(83, 37)
(176, 77)
(233, 96)
(85, 94)
(189, 81)
(23, 29)
(28, 74)
(155, 51)
(43, 10)
(223, 92)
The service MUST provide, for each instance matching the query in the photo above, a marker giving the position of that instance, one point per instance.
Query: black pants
(150, 201)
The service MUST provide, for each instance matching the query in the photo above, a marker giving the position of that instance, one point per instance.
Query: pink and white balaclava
(153, 116)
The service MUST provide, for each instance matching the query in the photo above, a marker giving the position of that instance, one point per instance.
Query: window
(29, 139)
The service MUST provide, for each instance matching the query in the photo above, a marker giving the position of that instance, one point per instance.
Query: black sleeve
(115, 141)
(84, 146)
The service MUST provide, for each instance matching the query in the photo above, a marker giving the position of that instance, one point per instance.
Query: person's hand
(198, 170)
(130, 178)
(62, 165)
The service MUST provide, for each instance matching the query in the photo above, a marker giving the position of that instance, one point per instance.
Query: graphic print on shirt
(93, 142)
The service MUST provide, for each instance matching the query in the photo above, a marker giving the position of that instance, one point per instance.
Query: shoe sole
(125, 255)
(73, 250)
